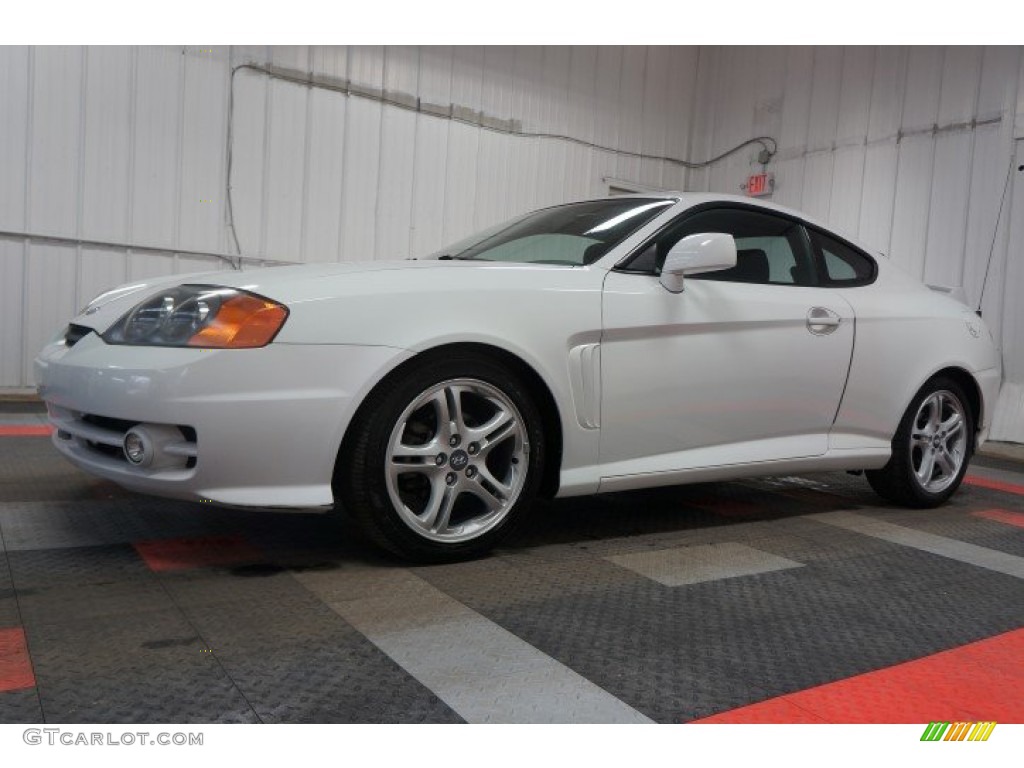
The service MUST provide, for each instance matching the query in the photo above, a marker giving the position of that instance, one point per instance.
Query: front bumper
(259, 427)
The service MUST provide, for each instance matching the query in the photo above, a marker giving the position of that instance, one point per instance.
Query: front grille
(74, 334)
(111, 451)
(117, 425)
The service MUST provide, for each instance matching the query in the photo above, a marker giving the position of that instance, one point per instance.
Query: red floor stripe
(978, 681)
(179, 554)
(15, 665)
(994, 485)
(25, 430)
(1002, 516)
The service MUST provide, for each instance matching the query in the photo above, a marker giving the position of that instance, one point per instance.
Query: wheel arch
(537, 386)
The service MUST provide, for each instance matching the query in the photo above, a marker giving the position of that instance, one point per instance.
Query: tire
(930, 453)
(443, 459)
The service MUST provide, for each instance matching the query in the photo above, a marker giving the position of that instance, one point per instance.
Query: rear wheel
(931, 448)
(443, 461)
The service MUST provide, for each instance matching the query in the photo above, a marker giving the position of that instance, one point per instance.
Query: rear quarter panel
(905, 334)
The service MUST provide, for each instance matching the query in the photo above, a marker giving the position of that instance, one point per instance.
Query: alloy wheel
(938, 441)
(457, 460)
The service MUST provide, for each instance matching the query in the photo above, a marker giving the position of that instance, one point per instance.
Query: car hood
(298, 283)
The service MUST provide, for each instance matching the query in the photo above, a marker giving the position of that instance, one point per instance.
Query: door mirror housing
(704, 252)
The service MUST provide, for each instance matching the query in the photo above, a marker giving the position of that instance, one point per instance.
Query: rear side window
(842, 264)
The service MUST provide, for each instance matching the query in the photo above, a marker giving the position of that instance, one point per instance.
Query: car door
(745, 365)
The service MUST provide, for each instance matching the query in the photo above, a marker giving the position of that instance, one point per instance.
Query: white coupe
(598, 346)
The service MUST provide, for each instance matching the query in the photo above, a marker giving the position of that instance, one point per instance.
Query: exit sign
(760, 184)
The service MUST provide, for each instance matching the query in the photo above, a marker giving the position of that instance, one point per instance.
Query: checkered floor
(776, 600)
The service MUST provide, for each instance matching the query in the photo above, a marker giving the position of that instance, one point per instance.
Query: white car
(598, 346)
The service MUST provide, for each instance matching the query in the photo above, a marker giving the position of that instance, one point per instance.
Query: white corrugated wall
(126, 148)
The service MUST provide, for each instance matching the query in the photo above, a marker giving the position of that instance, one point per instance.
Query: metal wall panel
(428, 171)
(156, 137)
(948, 208)
(51, 290)
(826, 87)
(817, 183)
(287, 158)
(789, 182)
(988, 174)
(463, 143)
(15, 86)
(495, 150)
(325, 171)
(846, 190)
(998, 72)
(1009, 277)
(149, 264)
(55, 136)
(857, 81)
(923, 88)
(203, 150)
(910, 210)
(12, 296)
(361, 157)
(878, 195)
(108, 132)
(681, 114)
(581, 124)
(630, 108)
(397, 154)
(796, 101)
(524, 165)
(249, 150)
(961, 75)
(888, 82)
(657, 86)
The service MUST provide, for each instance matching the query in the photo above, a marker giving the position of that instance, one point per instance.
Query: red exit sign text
(760, 184)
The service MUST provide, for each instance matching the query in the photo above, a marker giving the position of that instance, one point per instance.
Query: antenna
(995, 232)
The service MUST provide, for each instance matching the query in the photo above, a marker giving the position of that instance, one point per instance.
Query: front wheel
(931, 448)
(444, 460)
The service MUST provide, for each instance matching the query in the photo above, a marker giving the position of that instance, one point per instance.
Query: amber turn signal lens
(242, 322)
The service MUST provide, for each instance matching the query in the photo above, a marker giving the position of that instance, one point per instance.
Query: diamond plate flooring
(668, 605)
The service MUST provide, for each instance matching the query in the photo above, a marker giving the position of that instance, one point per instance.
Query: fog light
(134, 448)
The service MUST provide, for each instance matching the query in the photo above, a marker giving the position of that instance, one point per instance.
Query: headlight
(200, 316)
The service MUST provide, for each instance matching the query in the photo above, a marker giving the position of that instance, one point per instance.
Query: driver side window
(770, 250)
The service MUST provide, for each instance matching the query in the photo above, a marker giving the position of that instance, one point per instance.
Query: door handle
(822, 321)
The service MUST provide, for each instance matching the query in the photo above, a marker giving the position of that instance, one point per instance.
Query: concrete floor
(797, 599)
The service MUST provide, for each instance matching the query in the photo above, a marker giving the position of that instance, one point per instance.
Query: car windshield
(574, 234)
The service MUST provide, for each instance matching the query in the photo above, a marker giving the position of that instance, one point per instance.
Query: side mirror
(705, 252)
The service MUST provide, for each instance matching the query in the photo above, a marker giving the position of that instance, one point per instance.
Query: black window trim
(819, 259)
(821, 279)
